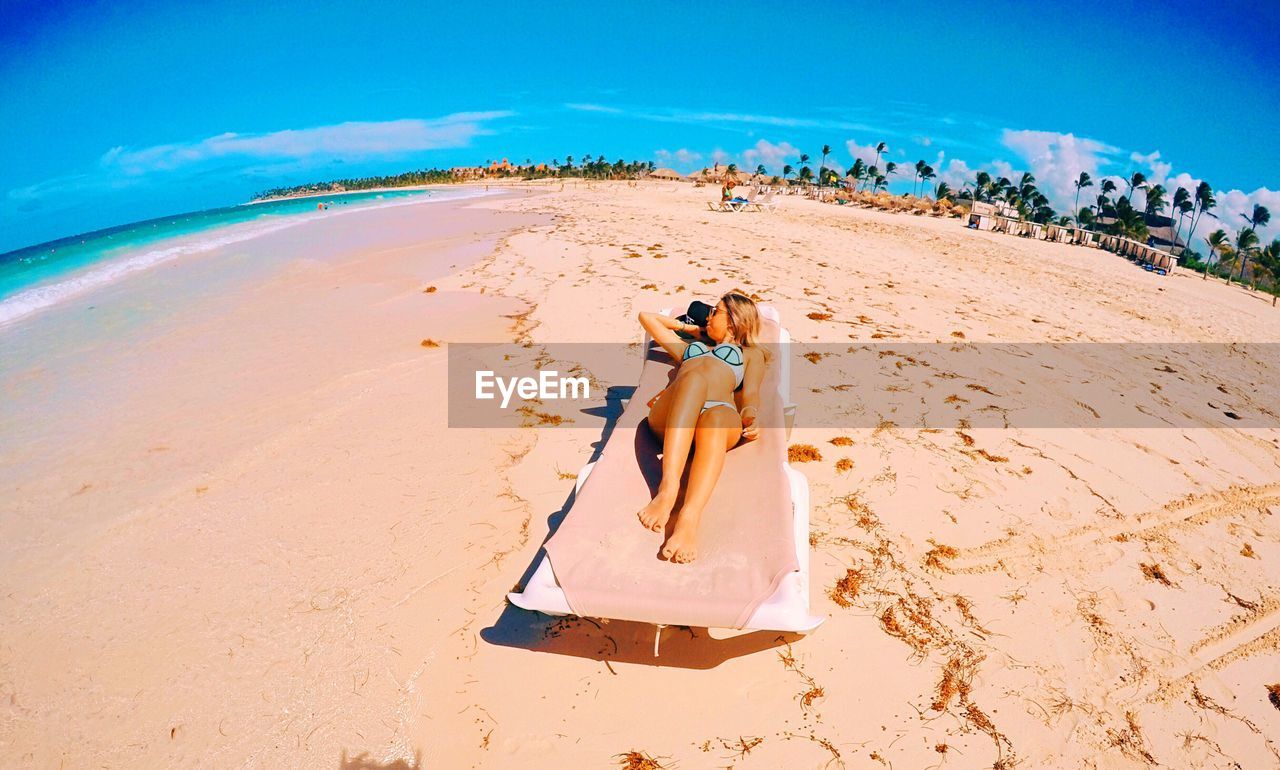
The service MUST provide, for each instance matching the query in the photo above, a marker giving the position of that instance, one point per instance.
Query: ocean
(44, 275)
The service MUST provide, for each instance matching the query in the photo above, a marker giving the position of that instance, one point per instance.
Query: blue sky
(115, 112)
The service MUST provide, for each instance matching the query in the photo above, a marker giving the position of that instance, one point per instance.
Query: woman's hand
(750, 431)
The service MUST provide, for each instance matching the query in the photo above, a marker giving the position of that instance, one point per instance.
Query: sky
(114, 112)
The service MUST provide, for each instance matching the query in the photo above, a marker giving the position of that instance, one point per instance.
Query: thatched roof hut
(665, 173)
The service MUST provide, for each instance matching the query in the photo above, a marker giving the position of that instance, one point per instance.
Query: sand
(238, 533)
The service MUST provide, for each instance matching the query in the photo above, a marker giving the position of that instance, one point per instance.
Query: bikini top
(728, 352)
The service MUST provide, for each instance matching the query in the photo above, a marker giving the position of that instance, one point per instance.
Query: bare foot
(654, 516)
(682, 546)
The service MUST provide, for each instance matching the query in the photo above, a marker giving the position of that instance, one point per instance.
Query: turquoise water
(46, 274)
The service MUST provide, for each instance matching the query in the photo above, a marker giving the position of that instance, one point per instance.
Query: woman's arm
(663, 330)
(751, 380)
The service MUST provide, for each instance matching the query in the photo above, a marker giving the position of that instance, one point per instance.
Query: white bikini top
(727, 352)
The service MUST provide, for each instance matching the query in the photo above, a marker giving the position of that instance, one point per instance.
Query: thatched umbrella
(665, 173)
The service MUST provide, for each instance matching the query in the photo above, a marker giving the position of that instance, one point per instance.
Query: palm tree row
(597, 168)
(1025, 196)
(1225, 255)
(1188, 208)
(1246, 245)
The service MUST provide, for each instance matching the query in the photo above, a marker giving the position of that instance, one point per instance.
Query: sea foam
(42, 296)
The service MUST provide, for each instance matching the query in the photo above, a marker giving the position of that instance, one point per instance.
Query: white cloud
(865, 152)
(593, 108)
(1157, 172)
(1235, 203)
(955, 173)
(680, 159)
(1056, 160)
(773, 156)
(673, 115)
(355, 139)
(1002, 168)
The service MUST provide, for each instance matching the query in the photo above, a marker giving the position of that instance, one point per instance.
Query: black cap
(697, 314)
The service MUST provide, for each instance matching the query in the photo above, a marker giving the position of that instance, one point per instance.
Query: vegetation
(599, 168)
(1082, 182)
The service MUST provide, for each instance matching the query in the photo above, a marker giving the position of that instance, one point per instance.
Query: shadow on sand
(363, 762)
(621, 641)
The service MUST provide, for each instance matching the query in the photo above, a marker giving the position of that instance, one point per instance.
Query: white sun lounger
(786, 608)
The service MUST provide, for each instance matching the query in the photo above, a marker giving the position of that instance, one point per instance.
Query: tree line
(588, 168)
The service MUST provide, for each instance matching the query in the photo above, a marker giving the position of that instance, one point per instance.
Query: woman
(709, 406)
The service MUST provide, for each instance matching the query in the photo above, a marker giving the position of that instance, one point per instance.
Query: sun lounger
(752, 570)
(733, 204)
(765, 203)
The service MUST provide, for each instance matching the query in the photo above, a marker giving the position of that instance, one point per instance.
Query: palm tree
(1084, 181)
(1129, 222)
(858, 170)
(1260, 217)
(1181, 205)
(1155, 200)
(760, 170)
(943, 190)
(1135, 181)
(1204, 201)
(826, 150)
(982, 186)
(1269, 263)
(804, 159)
(1217, 241)
(1001, 188)
(920, 164)
(1103, 203)
(806, 173)
(1246, 242)
(881, 147)
(1026, 192)
(787, 169)
(926, 174)
(1084, 218)
(889, 168)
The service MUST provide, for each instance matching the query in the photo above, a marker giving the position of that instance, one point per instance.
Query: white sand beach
(237, 531)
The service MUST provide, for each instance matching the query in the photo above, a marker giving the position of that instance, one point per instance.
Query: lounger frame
(787, 609)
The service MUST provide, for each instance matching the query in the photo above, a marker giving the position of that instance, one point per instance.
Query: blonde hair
(744, 318)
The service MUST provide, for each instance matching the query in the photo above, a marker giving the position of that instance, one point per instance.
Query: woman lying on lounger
(698, 410)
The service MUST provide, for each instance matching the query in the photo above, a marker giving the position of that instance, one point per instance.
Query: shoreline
(340, 193)
(102, 272)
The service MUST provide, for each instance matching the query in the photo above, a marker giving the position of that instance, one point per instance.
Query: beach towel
(608, 564)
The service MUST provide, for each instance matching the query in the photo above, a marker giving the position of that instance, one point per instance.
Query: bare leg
(719, 429)
(687, 395)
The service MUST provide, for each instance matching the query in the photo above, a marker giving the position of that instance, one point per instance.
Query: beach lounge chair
(752, 570)
(766, 203)
(735, 204)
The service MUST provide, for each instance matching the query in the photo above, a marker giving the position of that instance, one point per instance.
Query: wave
(42, 296)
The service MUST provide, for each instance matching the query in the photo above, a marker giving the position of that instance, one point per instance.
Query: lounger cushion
(609, 565)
